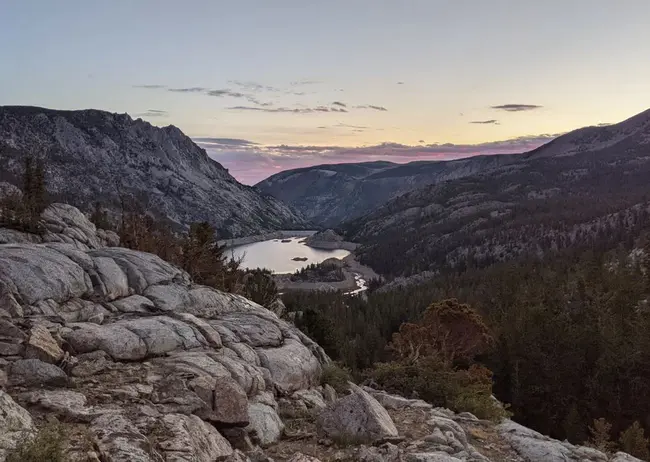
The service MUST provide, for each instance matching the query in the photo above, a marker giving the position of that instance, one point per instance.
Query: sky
(269, 85)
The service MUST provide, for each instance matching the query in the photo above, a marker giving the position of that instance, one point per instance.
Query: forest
(569, 334)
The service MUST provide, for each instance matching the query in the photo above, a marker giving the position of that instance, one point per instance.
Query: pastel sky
(269, 85)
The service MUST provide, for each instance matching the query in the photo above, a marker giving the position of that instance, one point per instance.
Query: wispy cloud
(301, 110)
(224, 142)
(338, 103)
(485, 122)
(400, 83)
(188, 90)
(371, 106)
(251, 164)
(153, 113)
(150, 87)
(298, 83)
(516, 107)
(254, 86)
(226, 92)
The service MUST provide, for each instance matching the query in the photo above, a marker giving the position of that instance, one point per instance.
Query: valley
(507, 256)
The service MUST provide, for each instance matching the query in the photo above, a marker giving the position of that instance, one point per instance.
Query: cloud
(220, 93)
(307, 110)
(350, 126)
(188, 90)
(254, 86)
(298, 83)
(153, 113)
(371, 106)
(485, 122)
(338, 103)
(400, 83)
(252, 163)
(150, 87)
(224, 142)
(516, 107)
(421, 141)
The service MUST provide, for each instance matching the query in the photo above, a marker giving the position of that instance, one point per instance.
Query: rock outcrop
(126, 345)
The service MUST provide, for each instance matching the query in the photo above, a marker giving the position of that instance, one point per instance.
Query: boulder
(34, 372)
(357, 417)
(192, 440)
(292, 366)
(41, 345)
(15, 424)
(265, 422)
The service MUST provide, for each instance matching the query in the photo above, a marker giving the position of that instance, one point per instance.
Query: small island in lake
(300, 258)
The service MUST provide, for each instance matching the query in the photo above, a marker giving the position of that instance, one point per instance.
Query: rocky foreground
(138, 363)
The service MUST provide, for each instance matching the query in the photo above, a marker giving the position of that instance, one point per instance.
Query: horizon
(265, 89)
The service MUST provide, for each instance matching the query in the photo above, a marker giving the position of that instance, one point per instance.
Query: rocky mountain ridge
(96, 156)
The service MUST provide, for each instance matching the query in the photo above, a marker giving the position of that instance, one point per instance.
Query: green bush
(47, 446)
(336, 376)
(464, 390)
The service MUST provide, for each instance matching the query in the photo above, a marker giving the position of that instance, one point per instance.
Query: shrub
(336, 376)
(47, 446)
(449, 329)
(600, 436)
(634, 442)
(430, 379)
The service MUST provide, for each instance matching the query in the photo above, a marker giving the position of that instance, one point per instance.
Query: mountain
(330, 194)
(93, 155)
(587, 188)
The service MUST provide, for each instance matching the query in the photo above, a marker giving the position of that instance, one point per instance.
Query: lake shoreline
(356, 275)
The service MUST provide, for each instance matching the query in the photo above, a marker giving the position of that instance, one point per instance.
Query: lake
(276, 255)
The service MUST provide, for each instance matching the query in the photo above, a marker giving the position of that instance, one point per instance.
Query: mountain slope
(93, 155)
(634, 131)
(330, 194)
(546, 202)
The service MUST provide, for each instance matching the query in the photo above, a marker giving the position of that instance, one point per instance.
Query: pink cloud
(251, 163)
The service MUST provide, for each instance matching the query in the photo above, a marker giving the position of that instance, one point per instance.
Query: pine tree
(634, 442)
(39, 192)
(600, 436)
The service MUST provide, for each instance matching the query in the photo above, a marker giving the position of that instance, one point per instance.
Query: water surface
(276, 255)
